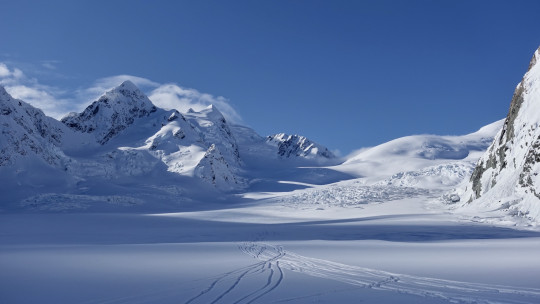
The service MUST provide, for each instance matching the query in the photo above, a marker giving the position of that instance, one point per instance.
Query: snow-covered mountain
(281, 146)
(506, 176)
(123, 138)
(214, 169)
(28, 134)
(111, 113)
(214, 129)
(131, 128)
(289, 146)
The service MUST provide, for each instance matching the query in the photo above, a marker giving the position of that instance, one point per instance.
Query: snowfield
(302, 247)
(129, 203)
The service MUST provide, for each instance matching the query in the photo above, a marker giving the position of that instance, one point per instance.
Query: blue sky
(348, 74)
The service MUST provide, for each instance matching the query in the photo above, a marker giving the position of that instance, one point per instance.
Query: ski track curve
(448, 290)
(229, 287)
(269, 266)
(278, 282)
(268, 282)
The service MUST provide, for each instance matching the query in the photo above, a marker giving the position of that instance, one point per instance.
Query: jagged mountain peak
(214, 129)
(3, 92)
(211, 112)
(126, 93)
(298, 146)
(128, 86)
(113, 112)
(131, 91)
(6, 99)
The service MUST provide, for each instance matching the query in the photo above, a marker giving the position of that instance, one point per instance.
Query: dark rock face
(475, 179)
(497, 153)
(526, 176)
(510, 166)
(515, 106)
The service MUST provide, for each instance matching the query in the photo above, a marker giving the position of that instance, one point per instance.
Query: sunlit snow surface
(383, 249)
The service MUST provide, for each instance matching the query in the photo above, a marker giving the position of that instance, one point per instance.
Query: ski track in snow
(220, 289)
(451, 291)
(270, 266)
(243, 285)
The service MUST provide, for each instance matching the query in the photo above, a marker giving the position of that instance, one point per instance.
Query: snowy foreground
(285, 248)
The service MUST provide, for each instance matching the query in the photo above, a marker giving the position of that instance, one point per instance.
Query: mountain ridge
(506, 176)
(123, 135)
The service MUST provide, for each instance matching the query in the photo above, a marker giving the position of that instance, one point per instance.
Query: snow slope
(32, 157)
(214, 169)
(417, 152)
(387, 251)
(28, 133)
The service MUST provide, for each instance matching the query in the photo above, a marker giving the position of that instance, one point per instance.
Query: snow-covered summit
(192, 144)
(4, 94)
(298, 146)
(112, 112)
(506, 176)
(214, 129)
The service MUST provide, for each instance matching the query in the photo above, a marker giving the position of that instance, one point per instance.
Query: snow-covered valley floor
(289, 248)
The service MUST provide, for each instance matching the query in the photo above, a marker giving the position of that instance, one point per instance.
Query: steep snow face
(289, 146)
(214, 129)
(177, 144)
(27, 132)
(190, 145)
(111, 113)
(214, 169)
(506, 176)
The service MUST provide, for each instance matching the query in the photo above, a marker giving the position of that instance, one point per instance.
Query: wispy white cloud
(49, 64)
(104, 84)
(57, 102)
(86, 95)
(167, 96)
(337, 152)
(47, 98)
(8, 75)
(172, 96)
(4, 71)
